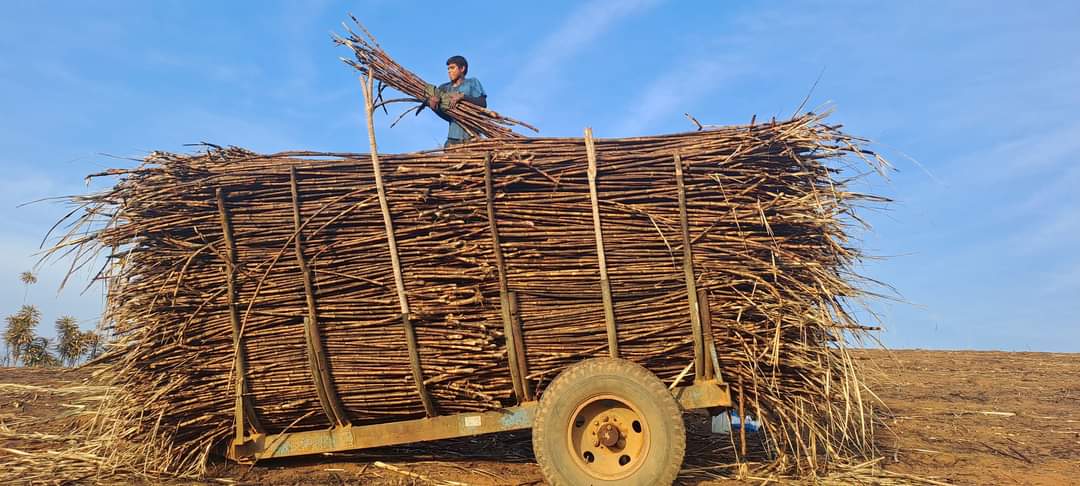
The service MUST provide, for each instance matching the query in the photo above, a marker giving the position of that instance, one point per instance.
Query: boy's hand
(455, 98)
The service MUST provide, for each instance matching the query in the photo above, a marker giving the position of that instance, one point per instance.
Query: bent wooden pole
(320, 369)
(395, 260)
(245, 411)
(517, 378)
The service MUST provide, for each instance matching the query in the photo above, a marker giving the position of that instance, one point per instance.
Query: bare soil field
(952, 417)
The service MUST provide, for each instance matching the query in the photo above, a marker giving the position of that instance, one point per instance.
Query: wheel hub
(608, 437)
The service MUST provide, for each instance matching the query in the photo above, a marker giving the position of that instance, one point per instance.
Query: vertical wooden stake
(388, 222)
(605, 283)
(688, 270)
(711, 367)
(320, 369)
(414, 365)
(742, 418)
(517, 379)
(519, 345)
(244, 410)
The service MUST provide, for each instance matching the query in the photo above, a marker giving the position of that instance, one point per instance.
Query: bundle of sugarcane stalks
(232, 269)
(372, 61)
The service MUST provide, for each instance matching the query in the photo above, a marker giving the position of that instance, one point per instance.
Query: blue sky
(981, 244)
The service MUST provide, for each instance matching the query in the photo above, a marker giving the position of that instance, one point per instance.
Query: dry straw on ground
(768, 224)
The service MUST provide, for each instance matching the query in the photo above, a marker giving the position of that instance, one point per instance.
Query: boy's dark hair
(460, 62)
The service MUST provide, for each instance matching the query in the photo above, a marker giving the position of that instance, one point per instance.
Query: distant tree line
(24, 347)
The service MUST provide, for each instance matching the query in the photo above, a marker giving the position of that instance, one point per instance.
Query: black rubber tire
(628, 381)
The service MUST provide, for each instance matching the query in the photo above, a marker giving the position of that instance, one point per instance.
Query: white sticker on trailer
(472, 421)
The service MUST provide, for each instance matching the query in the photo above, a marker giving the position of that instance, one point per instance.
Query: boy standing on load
(448, 95)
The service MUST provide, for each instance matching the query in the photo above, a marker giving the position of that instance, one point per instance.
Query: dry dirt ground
(954, 417)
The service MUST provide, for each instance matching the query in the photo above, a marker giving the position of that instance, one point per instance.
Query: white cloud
(22, 188)
(212, 67)
(1059, 230)
(1033, 170)
(1041, 151)
(673, 93)
(1055, 191)
(582, 26)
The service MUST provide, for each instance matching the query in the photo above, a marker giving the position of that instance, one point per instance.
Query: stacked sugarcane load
(767, 221)
(227, 246)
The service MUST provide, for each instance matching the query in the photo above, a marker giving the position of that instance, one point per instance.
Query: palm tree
(70, 344)
(20, 331)
(37, 353)
(28, 278)
(93, 344)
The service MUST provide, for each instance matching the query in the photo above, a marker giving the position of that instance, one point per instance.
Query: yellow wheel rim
(608, 437)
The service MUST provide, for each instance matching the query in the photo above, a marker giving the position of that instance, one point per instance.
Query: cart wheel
(608, 421)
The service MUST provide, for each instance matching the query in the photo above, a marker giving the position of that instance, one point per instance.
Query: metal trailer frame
(252, 443)
(707, 392)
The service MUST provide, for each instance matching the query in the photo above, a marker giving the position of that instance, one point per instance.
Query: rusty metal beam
(353, 437)
(688, 270)
(516, 378)
(244, 409)
(605, 283)
(316, 355)
(701, 395)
